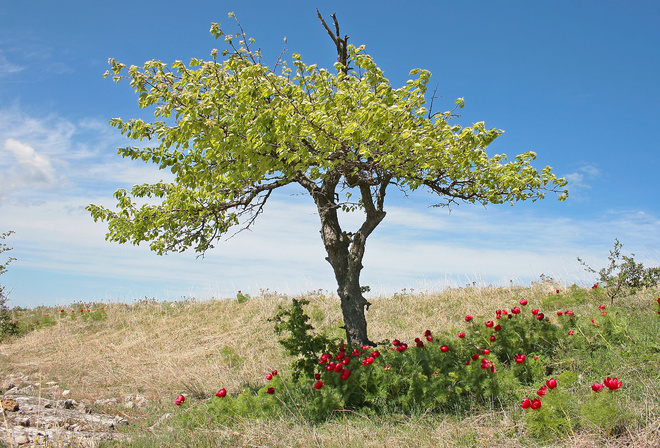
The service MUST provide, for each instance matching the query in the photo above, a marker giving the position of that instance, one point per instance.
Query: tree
(233, 130)
(8, 327)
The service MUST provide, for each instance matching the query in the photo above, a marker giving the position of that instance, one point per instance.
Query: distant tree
(232, 131)
(7, 325)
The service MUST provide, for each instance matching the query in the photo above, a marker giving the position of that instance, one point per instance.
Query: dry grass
(162, 349)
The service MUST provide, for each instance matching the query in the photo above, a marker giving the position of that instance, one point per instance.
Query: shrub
(623, 275)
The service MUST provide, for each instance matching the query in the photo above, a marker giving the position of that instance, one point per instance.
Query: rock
(21, 440)
(66, 393)
(9, 404)
(130, 405)
(23, 421)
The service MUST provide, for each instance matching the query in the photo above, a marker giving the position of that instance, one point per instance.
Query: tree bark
(346, 250)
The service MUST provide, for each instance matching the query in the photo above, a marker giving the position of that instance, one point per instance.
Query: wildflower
(551, 383)
(541, 392)
(536, 358)
(523, 302)
(540, 316)
(526, 403)
(475, 356)
(469, 317)
(340, 356)
(270, 391)
(387, 367)
(395, 342)
(346, 360)
(485, 351)
(375, 353)
(180, 399)
(490, 324)
(535, 311)
(429, 338)
(402, 347)
(570, 333)
(536, 403)
(597, 387)
(515, 310)
(342, 348)
(461, 335)
(274, 372)
(444, 349)
(467, 363)
(569, 313)
(317, 376)
(601, 307)
(345, 374)
(557, 291)
(497, 327)
(420, 344)
(338, 367)
(221, 393)
(559, 313)
(604, 313)
(269, 376)
(612, 383)
(356, 353)
(367, 361)
(519, 358)
(594, 286)
(330, 367)
(492, 339)
(427, 333)
(318, 385)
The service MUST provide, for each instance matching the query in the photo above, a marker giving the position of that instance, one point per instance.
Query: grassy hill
(160, 350)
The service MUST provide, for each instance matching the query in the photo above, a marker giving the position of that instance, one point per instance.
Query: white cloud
(8, 68)
(579, 179)
(27, 169)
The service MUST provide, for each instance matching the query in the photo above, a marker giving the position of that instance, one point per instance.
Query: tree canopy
(232, 130)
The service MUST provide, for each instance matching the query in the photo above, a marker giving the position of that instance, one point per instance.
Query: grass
(162, 349)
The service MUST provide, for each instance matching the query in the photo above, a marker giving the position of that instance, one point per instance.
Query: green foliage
(623, 275)
(295, 331)
(234, 130)
(242, 298)
(4, 248)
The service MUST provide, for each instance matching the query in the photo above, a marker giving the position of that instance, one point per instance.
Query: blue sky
(574, 81)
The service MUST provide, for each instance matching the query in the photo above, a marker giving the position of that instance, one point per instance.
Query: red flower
(342, 348)
(536, 403)
(490, 324)
(395, 342)
(461, 335)
(356, 353)
(367, 361)
(475, 356)
(318, 385)
(338, 367)
(269, 377)
(444, 349)
(346, 360)
(604, 313)
(317, 376)
(551, 383)
(658, 300)
(221, 393)
(427, 333)
(402, 347)
(485, 351)
(515, 310)
(340, 356)
(559, 313)
(519, 358)
(274, 372)
(62, 311)
(526, 403)
(601, 307)
(612, 383)
(540, 316)
(541, 392)
(498, 327)
(469, 317)
(420, 344)
(523, 302)
(492, 339)
(429, 338)
(569, 313)
(597, 387)
(594, 286)
(375, 353)
(535, 311)
(570, 333)
(270, 391)
(180, 399)
(557, 291)
(345, 374)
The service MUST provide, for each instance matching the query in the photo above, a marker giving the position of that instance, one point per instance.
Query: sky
(576, 82)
